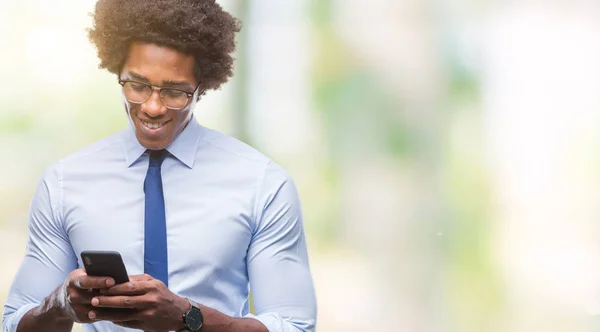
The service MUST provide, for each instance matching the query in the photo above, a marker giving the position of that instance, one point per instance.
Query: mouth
(153, 124)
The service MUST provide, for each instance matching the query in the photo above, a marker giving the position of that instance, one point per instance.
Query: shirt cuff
(275, 323)
(271, 321)
(10, 322)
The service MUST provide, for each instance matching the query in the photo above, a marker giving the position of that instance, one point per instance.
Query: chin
(155, 147)
(153, 144)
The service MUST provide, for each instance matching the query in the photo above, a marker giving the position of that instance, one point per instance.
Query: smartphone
(104, 264)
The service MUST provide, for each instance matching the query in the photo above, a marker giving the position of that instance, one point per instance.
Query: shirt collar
(183, 147)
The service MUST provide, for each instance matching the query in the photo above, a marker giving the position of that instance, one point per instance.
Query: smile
(153, 125)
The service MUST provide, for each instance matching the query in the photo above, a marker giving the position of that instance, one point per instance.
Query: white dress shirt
(233, 220)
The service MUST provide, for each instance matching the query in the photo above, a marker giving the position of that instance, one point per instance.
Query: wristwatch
(192, 318)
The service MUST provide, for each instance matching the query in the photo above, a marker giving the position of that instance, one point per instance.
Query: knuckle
(72, 297)
(148, 314)
(75, 296)
(154, 299)
(72, 292)
(72, 280)
(144, 315)
(75, 273)
(157, 284)
(132, 287)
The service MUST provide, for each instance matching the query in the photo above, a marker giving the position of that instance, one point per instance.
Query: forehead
(159, 63)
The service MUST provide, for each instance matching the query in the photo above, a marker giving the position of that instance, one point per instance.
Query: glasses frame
(160, 89)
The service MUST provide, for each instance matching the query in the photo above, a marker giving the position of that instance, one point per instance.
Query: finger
(130, 288)
(130, 302)
(141, 277)
(80, 296)
(80, 312)
(112, 315)
(91, 282)
(73, 277)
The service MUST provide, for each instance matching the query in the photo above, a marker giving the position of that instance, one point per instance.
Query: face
(156, 125)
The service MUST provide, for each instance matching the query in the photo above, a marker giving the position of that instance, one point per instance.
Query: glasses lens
(173, 98)
(136, 92)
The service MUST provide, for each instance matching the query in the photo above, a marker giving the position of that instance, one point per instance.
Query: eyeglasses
(139, 92)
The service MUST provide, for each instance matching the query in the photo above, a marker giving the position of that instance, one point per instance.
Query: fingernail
(110, 282)
(92, 315)
(95, 301)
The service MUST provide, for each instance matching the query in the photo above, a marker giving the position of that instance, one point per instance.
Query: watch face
(193, 319)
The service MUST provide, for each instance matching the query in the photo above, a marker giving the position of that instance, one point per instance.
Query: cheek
(183, 115)
(180, 120)
(129, 107)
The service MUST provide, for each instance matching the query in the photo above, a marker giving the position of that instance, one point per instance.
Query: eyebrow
(142, 78)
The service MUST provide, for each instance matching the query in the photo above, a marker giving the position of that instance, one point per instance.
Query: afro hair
(197, 27)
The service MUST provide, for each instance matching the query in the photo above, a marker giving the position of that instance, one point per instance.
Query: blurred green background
(446, 152)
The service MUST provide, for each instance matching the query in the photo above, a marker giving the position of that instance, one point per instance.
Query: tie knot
(157, 157)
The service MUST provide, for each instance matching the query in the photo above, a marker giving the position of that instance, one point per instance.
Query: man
(196, 215)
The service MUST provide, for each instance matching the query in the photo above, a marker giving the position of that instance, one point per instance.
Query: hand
(75, 295)
(152, 306)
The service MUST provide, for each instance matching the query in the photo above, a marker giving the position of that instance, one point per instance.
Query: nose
(153, 106)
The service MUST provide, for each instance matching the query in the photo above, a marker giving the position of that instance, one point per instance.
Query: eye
(173, 93)
(136, 86)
